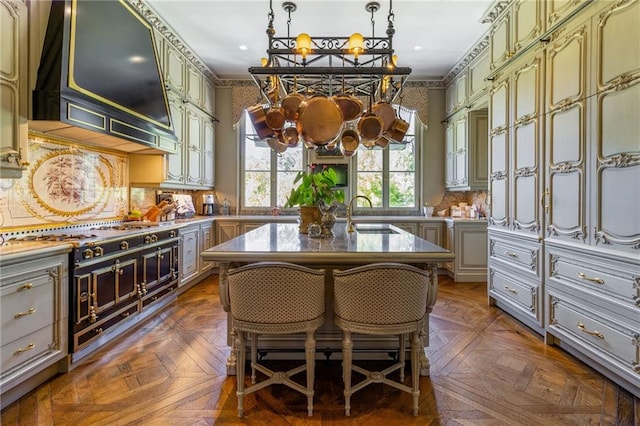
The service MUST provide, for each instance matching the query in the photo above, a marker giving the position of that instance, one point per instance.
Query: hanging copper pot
(275, 119)
(398, 130)
(349, 142)
(370, 126)
(290, 136)
(290, 105)
(320, 120)
(350, 106)
(382, 142)
(277, 145)
(258, 118)
(385, 111)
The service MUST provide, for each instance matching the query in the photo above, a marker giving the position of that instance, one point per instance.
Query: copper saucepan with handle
(350, 106)
(385, 111)
(290, 105)
(258, 118)
(349, 142)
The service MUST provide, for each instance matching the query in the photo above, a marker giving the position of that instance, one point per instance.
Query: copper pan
(350, 106)
(290, 105)
(349, 142)
(277, 145)
(275, 119)
(382, 142)
(258, 119)
(385, 111)
(398, 130)
(370, 126)
(290, 136)
(320, 120)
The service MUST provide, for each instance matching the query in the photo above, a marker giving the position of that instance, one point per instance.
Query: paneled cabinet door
(557, 10)
(565, 195)
(226, 230)
(450, 155)
(193, 144)
(499, 180)
(526, 152)
(209, 97)
(13, 88)
(190, 254)
(461, 152)
(174, 69)
(478, 72)
(208, 153)
(514, 31)
(195, 86)
(175, 162)
(207, 235)
(616, 107)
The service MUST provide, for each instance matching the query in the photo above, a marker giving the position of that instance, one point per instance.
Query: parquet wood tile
(486, 369)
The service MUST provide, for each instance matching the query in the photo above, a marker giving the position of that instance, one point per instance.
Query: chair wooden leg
(402, 356)
(416, 350)
(310, 352)
(240, 367)
(254, 356)
(347, 351)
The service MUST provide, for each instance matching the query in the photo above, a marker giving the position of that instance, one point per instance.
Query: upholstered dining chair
(275, 298)
(381, 299)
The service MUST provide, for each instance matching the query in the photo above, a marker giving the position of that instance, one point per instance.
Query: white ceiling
(215, 29)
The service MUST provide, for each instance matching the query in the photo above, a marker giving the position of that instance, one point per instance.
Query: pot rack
(330, 66)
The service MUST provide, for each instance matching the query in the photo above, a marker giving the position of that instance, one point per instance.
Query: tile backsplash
(65, 183)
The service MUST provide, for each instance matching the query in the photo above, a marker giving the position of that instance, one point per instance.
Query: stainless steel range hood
(99, 81)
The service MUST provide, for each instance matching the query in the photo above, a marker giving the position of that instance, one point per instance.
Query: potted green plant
(313, 190)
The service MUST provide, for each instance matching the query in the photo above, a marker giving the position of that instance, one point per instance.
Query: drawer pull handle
(26, 287)
(511, 254)
(593, 280)
(511, 290)
(24, 314)
(593, 333)
(28, 348)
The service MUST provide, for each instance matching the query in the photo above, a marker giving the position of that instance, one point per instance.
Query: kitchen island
(371, 243)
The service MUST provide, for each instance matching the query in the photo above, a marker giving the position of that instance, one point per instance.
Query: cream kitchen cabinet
(34, 301)
(515, 148)
(207, 240)
(190, 268)
(478, 85)
(466, 151)
(175, 69)
(520, 25)
(456, 95)
(467, 239)
(192, 166)
(209, 98)
(432, 232)
(13, 88)
(226, 230)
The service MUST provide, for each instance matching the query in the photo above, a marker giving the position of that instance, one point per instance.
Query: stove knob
(124, 245)
(154, 238)
(87, 254)
(172, 234)
(98, 251)
(147, 239)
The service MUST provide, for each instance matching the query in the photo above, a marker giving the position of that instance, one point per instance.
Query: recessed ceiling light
(416, 48)
(243, 47)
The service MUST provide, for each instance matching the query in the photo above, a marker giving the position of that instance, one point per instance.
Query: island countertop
(283, 242)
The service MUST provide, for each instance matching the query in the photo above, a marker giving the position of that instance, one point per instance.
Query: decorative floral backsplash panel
(65, 183)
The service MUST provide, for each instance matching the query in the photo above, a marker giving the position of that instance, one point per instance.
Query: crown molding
(494, 10)
(472, 54)
(171, 36)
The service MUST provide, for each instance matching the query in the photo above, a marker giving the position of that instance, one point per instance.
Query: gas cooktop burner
(55, 237)
(123, 227)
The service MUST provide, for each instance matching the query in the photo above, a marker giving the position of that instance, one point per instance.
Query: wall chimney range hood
(99, 81)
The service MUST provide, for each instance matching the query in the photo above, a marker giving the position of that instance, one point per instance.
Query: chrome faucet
(350, 227)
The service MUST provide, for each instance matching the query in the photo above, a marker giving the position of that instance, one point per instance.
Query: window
(388, 176)
(267, 176)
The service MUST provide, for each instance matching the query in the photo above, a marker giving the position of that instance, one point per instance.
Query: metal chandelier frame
(330, 67)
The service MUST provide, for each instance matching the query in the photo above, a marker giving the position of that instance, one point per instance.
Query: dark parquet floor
(486, 369)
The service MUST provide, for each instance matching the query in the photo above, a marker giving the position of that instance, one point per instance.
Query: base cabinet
(468, 240)
(34, 301)
(190, 254)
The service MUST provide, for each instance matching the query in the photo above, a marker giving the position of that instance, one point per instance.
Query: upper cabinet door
(175, 69)
(13, 88)
(209, 97)
(194, 86)
(478, 72)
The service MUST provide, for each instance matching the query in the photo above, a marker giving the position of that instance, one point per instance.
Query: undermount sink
(375, 229)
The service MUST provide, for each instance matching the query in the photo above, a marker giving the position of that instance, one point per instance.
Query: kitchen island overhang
(283, 242)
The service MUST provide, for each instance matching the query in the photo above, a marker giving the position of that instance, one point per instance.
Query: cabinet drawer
(523, 258)
(522, 295)
(595, 333)
(28, 348)
(589, 275)
(26, 306)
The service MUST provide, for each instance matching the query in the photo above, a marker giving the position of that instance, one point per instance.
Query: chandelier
(334, 92)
